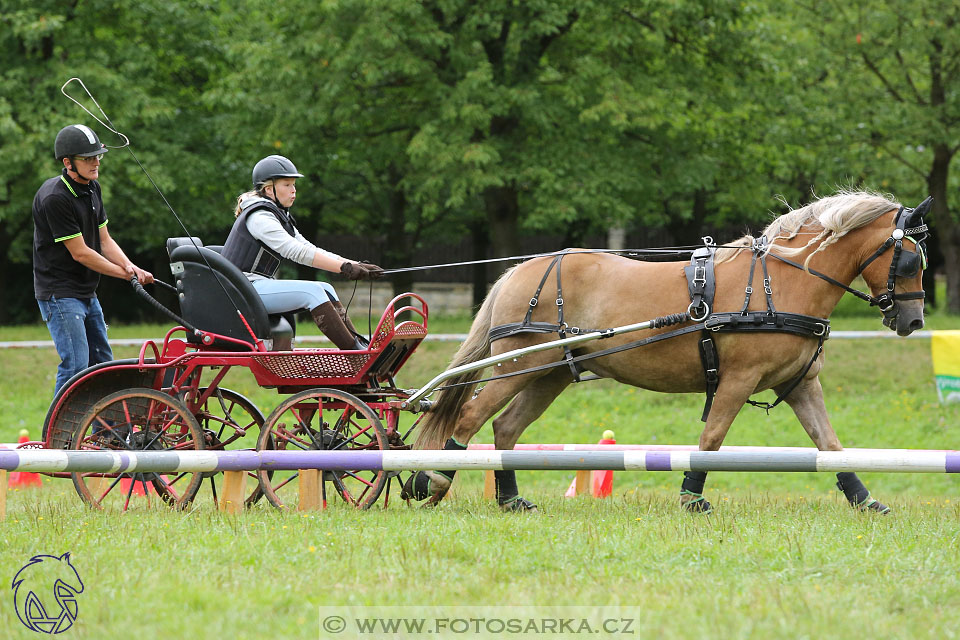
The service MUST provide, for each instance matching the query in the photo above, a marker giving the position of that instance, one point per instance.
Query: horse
(809, 257)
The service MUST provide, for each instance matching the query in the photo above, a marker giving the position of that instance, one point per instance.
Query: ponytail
(250, 194)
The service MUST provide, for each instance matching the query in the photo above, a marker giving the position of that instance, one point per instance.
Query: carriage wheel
(137, 420)
(230, 421)
(324, 419)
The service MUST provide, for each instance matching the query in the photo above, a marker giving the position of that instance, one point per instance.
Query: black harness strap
(528, 326)
(770, 320)
(702, 283)
(575, 370)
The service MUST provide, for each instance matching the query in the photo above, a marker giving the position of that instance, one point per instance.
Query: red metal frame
(176, 367)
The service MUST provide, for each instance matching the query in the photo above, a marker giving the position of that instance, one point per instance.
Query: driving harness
(701, 283)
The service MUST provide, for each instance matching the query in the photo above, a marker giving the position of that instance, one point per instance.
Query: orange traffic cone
(599, 483)
(602, 483)
(24, 478)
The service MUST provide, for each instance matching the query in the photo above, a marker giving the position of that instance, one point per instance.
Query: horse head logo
(45, 593)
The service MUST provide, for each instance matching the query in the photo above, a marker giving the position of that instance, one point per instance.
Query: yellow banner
(946, 364)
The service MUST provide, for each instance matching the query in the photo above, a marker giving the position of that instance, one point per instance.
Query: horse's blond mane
(828, 219)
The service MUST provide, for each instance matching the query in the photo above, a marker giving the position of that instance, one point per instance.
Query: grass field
(782, 555)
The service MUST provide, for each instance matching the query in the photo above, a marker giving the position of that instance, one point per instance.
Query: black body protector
(246, 252)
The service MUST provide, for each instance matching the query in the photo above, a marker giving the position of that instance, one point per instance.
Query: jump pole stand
(3, 495)
(309, 482)
(233, 497)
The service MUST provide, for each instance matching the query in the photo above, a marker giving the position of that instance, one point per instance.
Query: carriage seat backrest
(212, 306)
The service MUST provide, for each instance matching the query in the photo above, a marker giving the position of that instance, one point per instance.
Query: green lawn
(782, 556)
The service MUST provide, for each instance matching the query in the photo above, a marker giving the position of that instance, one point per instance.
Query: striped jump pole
(890, 460)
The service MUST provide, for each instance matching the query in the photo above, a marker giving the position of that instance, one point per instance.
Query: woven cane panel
(313, 365)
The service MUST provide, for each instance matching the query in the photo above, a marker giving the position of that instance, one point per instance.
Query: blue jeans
(79, 332)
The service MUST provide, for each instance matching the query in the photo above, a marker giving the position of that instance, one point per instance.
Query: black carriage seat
(211, 307)
(289, 316)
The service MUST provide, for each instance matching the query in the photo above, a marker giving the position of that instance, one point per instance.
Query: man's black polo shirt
(64, 209)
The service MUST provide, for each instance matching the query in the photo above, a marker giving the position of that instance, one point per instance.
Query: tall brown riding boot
(332, 326)
(338, 307)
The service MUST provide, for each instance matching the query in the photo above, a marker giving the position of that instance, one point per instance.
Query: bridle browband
(904, 263)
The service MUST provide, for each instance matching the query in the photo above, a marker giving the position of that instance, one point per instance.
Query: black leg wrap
(417, 487)
(693, 481)
(692, 486)
(506, 481)
(857, 494)
(452, 445)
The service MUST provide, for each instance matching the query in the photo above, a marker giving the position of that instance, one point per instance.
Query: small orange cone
(601, 482)
(24, 478)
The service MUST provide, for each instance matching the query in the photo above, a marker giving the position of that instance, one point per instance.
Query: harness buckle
(820, 329)
(712, 375)
(575, 330)
(533, 302)
(559, 302)
(748, 291)
(706, 311)
(766, 286)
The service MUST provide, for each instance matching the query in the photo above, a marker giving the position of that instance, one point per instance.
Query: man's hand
(143, 277)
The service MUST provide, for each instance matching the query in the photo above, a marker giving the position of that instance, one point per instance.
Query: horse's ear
(923, 208)
(66, 556)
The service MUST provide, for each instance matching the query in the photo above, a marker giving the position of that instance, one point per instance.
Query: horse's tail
(437, 426)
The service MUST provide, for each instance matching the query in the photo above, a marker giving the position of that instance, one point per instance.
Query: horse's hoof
(426, 485)
(518, 505)
(871, 504)
(695, 504)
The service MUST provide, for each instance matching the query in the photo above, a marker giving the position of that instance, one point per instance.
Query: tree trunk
(480, 241)
(400, 247)
(503, 216)
(948, 229)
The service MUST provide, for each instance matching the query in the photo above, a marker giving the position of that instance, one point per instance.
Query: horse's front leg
(806, 400)
(729, 399)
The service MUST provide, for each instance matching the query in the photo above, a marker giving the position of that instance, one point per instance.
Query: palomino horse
(809, 256)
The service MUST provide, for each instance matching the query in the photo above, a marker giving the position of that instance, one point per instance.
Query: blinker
(908, 264)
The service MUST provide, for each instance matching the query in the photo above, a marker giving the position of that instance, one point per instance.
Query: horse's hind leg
(433, 485)
(806, 400)
(526, 407)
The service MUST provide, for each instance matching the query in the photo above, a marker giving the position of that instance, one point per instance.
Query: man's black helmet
(77, 140)
(273, 167)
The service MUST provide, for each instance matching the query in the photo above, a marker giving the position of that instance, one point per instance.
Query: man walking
(71, 248)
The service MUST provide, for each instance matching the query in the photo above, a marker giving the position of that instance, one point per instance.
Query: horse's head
(893, 272)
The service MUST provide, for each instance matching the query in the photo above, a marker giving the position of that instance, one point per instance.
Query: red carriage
(172, 396)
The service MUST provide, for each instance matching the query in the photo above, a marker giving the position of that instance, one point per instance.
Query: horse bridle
(905, 264)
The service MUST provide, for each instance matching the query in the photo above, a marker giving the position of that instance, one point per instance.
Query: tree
(897, 67)
(146, 64)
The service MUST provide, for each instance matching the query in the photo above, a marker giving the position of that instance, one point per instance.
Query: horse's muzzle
(904, 323)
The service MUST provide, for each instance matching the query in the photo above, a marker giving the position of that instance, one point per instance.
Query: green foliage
(418, 122)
